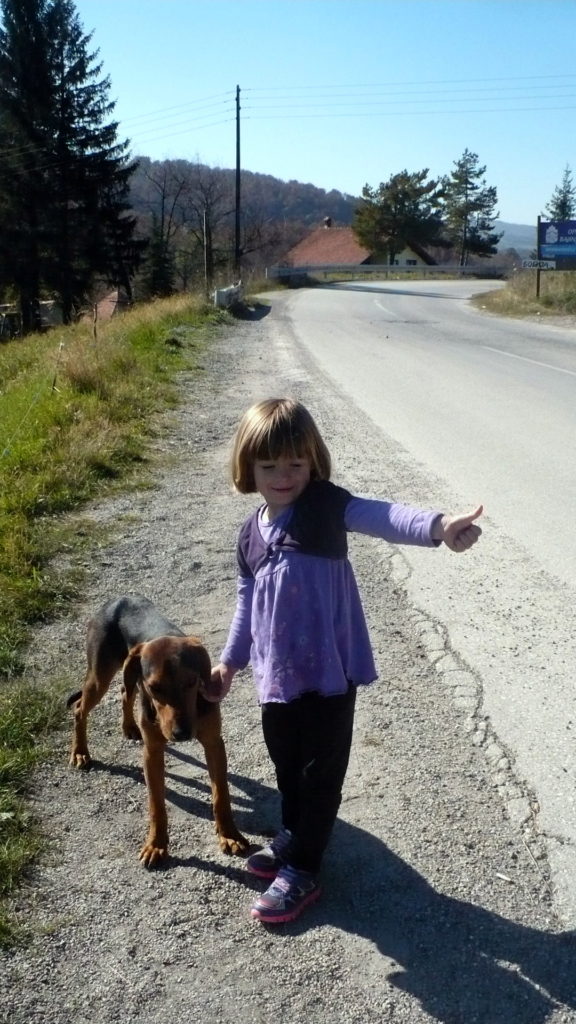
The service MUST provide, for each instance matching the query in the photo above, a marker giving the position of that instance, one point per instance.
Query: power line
(350, 101)
(185, 131)
(31, 149)
(407, 113)
(371, 99)
(306, 101)
(413, 97)
(419, 82)
(155, 115)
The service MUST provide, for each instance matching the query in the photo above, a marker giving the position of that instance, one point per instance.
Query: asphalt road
(486, 408)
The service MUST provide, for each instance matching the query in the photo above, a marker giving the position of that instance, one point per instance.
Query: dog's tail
(73, 698)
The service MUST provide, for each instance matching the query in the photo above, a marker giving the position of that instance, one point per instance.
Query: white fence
(383, 270)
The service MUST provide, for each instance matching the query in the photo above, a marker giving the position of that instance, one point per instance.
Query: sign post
(556, 246)
(539, 263)
(557, 243)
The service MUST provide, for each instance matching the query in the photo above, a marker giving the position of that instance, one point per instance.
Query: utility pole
(237, 249)
(207, 281)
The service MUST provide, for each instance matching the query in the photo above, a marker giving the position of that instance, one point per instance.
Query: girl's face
(280, 481)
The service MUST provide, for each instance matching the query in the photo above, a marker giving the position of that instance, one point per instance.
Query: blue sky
(341, 93)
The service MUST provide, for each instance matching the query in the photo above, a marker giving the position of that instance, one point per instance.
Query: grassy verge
(518, 298)
(78, 410)
(27, 714)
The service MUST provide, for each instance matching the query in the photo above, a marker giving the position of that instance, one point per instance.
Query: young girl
(300, 623)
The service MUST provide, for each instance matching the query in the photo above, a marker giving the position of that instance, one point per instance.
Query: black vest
(316, 527)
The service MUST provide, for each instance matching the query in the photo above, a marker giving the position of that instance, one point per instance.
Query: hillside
(261, 194)
(276, 214)
(521, 237)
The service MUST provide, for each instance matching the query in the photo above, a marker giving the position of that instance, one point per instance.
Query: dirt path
(436, 907)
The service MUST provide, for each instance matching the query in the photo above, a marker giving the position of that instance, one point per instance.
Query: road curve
(480, 409)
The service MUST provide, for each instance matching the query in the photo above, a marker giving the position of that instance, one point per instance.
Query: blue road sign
(556, 239)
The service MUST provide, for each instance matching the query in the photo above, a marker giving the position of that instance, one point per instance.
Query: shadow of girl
(463, 963)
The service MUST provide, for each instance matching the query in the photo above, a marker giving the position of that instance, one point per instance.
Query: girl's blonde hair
(274, 428)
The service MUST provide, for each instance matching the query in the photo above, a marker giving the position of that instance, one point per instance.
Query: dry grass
(519, 299)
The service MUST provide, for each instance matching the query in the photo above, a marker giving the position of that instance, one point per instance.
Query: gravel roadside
(436, 906)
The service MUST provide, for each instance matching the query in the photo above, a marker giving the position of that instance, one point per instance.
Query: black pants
(309, 742)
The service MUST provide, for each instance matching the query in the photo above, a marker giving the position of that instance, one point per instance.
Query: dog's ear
(198, 659)
(132, 669)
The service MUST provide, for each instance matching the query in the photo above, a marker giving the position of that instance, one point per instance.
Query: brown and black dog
(168, 669)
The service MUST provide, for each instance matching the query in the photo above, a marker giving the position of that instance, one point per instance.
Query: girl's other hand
(458, 532)
(220, 683)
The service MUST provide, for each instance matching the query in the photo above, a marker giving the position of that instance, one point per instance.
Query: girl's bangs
(278, 443)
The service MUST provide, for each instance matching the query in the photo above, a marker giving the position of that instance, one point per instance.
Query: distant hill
(283, 211)
(271, 198)
(521, 237)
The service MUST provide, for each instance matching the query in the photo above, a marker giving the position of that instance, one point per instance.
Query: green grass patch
(28, 714)
(77, 414)
(79, 408)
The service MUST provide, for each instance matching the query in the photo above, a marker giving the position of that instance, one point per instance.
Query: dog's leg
(209, 735)
(155, 847)
(95, 686)
(130, 727)
(105, 652)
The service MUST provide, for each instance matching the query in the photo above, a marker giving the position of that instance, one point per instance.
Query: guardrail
(226, 297)
(382, 269)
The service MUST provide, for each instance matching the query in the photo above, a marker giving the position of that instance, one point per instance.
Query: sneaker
(290, 892)
(267, 862)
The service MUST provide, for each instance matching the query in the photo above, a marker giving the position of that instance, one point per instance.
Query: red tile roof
(324, 246)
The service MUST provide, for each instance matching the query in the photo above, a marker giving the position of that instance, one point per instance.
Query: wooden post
(206, 274)
(237, 248)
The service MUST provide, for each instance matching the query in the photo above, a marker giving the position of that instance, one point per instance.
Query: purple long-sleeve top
(299, 619)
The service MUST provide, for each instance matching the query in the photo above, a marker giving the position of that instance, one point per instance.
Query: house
(333, 246)
(327, 245)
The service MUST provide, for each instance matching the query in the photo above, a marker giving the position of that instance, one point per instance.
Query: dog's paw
(131, 731)
(152, 854)
(79, 759)
(235, 845)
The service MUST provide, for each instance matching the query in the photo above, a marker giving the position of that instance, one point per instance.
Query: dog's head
(168, 672)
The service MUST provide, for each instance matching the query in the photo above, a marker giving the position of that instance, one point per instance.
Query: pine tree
(562, 205)
(401, 212)
(63, 174)
(24, 108)
(90, 228)
(159, 270)
(470, 209)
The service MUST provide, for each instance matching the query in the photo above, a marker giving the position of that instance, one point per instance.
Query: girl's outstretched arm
(458, 532)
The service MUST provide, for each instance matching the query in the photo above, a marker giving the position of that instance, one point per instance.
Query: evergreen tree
(90, 229)
(64, 219)
(470, 209)
(24, 107)
(562, 205)
(159, 270)
(401, 212)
